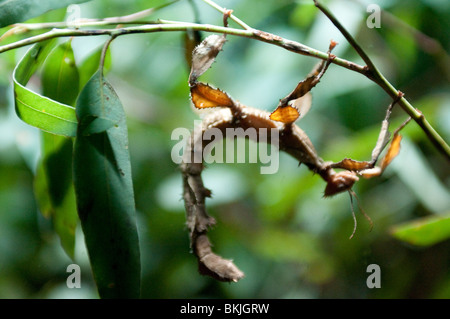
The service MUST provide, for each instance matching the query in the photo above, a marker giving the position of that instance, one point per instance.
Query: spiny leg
(310, 82)
(383, 140)
(367, 169)
(197, 219)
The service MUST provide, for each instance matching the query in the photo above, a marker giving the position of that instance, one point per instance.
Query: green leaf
(53, 182)
(35, 109)
(13, 11)
(425, 231)
(54, 188)
(104, 191)
(60, 75)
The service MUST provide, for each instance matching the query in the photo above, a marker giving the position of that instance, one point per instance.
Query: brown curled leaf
(301, 89)
(285, 114)
(298, 102)
(204, 96)
(352, 165)
(295, 110)
(392, 152)
(204, 55)
(311, 80)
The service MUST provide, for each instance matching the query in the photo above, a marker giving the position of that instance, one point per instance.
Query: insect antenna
(353, 194)
(355, 223)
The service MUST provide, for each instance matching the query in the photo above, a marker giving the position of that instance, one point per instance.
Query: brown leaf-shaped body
(286, 114)
(392, 152)
(204, 96)
(204, 55)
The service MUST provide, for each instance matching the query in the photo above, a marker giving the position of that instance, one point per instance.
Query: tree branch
(133, 18)
(376, 76)
(370, 70)
(167, 26)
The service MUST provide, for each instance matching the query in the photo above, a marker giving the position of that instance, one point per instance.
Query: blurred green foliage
(290, 242)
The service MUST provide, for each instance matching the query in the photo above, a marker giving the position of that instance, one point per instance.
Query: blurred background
(288, 239)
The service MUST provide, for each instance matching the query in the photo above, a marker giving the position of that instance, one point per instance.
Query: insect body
(229, 113)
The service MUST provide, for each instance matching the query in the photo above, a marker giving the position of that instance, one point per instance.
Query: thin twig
(133, 18)
(232, 17)
(347, 35)
(375, 75)
(434, 137)
(369, 71)
(166, 25)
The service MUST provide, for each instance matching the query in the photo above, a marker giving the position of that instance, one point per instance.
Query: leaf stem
(103, 54)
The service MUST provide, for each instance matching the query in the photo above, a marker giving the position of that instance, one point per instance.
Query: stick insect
(229, 113)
